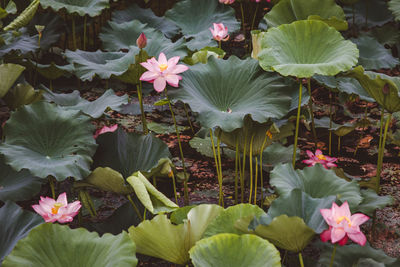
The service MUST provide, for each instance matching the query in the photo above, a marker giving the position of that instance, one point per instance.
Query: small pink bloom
(343, 225)
(105, 129)
(57, 210)
(141, 41)
(227, 2)
(326, 161)
(220, 32)
(162, 72)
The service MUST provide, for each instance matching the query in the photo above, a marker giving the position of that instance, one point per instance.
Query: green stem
(219, 44)
(155, 181)
(330, 122)
(220, 169)
(84, 32)
(301, 260)
(297, 125)
(144, 214)
(52, 187)
(134, 207)
(382, 153)
(243, 168)
(216, 167)
(254, 17)
(310, 106)
(73, 33)
(338, 144)
(381, 131)
(185, 186)
(261, 170)
(333, 255)
(51, 85)
(236, 170)
(242, 12)
(140, 96)
(251, 167)
(255, 182)
(174, 185)
(188, 118)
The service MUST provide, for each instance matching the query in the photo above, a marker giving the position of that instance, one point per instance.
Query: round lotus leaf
(52, 71)
(22, 94)
(394, 6)
(16, 186)
(91, 8)
(369, 13)
(129, 152)
(373, 55)
(225, 222)
(102, 64)
(223, 92)
(230, 250)
(304, 48)
(315, 181)
(288, 11)
(15, 223)
(120, 36)
(9, 73)
(196, 17)
(108, 180)
(60, 142)
(134, 12)
(58, 245)
(383, 88)
(22, 42)
(386, 35)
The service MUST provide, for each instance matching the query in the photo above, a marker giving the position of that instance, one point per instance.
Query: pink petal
(327, 215)
(309, 154)
(74, 207)
(149, 76)
(159, 84)
(343, 211)
(178, 69)
(39, 210)
(150, 65)
(358, 238)
(326, 235)
(318, 152)
(309, 162)
(343, 241)
(65, 219)
(63, 199)
(162, 59)
(173, 61)
(337, 234)
(358, 219)
(173, 80)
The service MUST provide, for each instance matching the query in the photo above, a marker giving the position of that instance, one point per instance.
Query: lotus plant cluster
(93, 173)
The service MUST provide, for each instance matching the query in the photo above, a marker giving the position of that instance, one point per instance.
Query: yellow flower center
(163, 67)
(340, 219)
(56, 207)
(321, 157)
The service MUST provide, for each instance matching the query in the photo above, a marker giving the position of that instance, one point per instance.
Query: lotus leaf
(17, 186)
(179, 215)
(338, 24)
(121, 36)
(315, 181)
(203, 54)
(376, 84)
(52, 71)
(162, 239)
(60, 142)
(21, 42)
(134, 12)
(24, 17)
(225, 222)
(94, 109)
(15, 223)
(339, 130)
(288, 11)
(354, 255)
(230, 250)
(386, 35)
(92, 8)
(22, 94)
(164, 128)
(9, 73)
(58, 245)
(54, 27)
(223, 92)
(289, 50)
(196, 17)
(371, 201)
(373, 55)
(151, 198)
(369, 13)
(103, 64)
(394, 6)
(277, 154)
(130, 152)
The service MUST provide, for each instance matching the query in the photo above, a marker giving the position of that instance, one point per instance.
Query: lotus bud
(141, 42)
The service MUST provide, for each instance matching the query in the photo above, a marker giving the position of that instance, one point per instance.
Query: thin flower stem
(174, 185)
(140, 96)
(297, 126)
(261, 170)
(244, 168)
(333, 255)
(382, 153)
(73, 33)
(221, 193)
(236, 170)
(310, 106)
(301, 260)
(219, 44)
(52, 187)
(330, 122)
(251, 167)
(242, 12)
(188, 118)
(185, 186)
(84, 32)
(134, 207)
(381, 131)
(154, 181)
(255, 181)
(216, 166)
(338, 144)
(144, 214)
(254, 17)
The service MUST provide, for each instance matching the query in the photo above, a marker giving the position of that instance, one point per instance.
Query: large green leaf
(60, 142)
(315, 181)
(21, 42)
(223, 92)
(151, 198)
(383, 88)
(17, 186)
(102, 64)
(15, 223)
(22, 94)
(388, 34)
(196, 17)
(225, 222)
(52, 71)
(94, 109)
(287, 11)
(394, 6)
(92, 8)
(304, 48)
(129, 152)
(9, 73)
(121, 36)
(371, 201)
(58, 245)
(230, 250)
(369, 13)
(373, 55)
(161, 239)
(276, 154)
(299, 204)
(134, 12)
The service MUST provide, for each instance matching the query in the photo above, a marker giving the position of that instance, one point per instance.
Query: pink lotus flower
(105, 129)
(141, 41)
(52, 210)
(326, 161)
(343, 225)
(162, 72)
(227, 2)
(220, 32)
